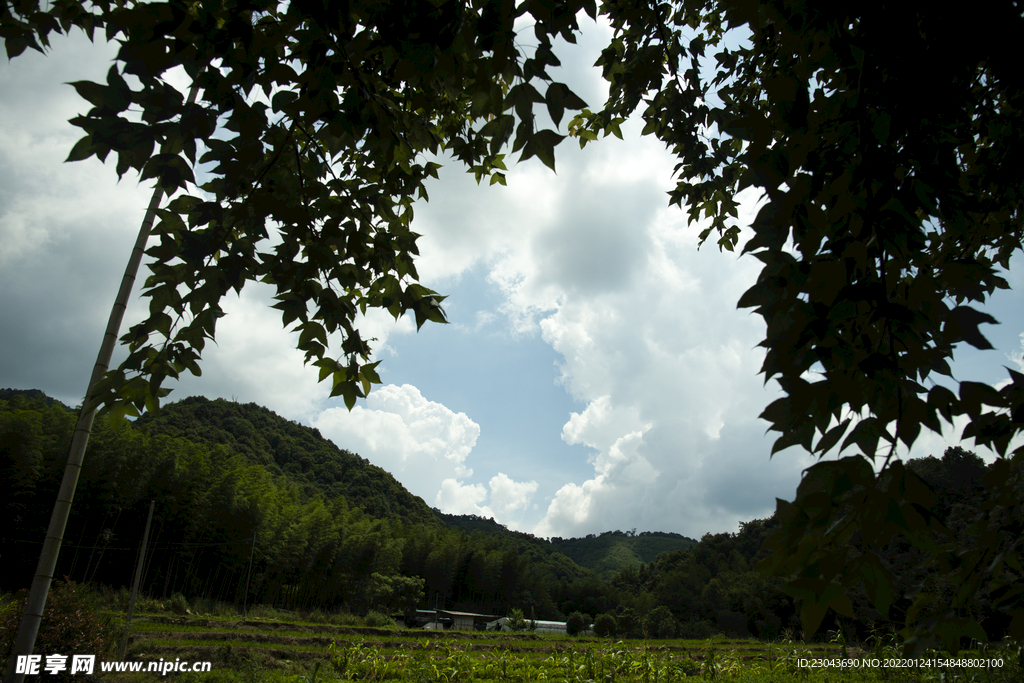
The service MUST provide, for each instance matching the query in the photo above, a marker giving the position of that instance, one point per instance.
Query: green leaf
(16, 41)
(310, 331)
(973, 395)
(878, 582)
(83, 149)
(963, 324)
(866, 435)
(831, 438)
(953, 630)
(559, 98)
(880, 127)
(94, 93)
(542, 145)
(817, 596)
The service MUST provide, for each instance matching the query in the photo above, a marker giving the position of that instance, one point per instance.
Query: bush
(178, 604)
(378, 620)
(214, 608)
(345, 619)
(576, 623)
(696, 630)
(69, 625)
(628, 623)
(318, 616)
(605, 625)
(115, 599)
(659, 623)
(146, 604)
(517, 621)
(270, 612)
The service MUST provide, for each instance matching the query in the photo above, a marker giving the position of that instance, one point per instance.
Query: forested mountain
(309, 460)
(325, 529)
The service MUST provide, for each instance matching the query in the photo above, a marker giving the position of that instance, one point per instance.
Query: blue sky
(595, 374)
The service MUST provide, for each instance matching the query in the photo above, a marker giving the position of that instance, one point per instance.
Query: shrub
(214, 608)
(69, 626)
(178, 604)
(378, 620)
(318, 616)
(696, 630)
(576, 623)
(628, 622)
(659, 623)
(262, 611)
(146, 604)
(605, 625)
(345, 619)
(517, 621)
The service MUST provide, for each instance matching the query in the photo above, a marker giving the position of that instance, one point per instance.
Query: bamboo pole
(36, 604)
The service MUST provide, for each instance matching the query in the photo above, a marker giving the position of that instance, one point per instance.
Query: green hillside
(612, 551)
(287, 448)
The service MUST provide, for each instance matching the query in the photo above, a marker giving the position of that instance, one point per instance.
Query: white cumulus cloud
(456, 498)
(420, 442)
(506, 497)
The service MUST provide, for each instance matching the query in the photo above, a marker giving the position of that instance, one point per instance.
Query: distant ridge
(613, 551)
(32, 394)
(605, 554)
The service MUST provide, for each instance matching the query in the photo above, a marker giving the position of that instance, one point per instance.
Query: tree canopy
(313, 117)
(886, 157)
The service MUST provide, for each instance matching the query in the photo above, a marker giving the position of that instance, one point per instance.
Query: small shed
(465, 621)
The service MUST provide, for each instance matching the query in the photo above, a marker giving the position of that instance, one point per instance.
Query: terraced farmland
(264, 651)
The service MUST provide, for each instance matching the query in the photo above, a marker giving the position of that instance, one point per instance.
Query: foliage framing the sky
(358, 92)
(887, 161)
(886, 158)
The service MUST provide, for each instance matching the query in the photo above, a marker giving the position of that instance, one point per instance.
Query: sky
(595, 374)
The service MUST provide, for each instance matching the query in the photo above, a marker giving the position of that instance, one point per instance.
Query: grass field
(298, 651)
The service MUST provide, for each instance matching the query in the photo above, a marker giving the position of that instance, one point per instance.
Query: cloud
(66, 229)
(508, 496)
(652, 343)
(648, 333)
(456, 498)
(1017, 356)
(420, 442)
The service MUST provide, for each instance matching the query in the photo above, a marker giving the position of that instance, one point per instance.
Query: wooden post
(245, 596)
(135, 583)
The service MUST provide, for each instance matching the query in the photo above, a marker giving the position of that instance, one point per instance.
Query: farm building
(448, 619)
